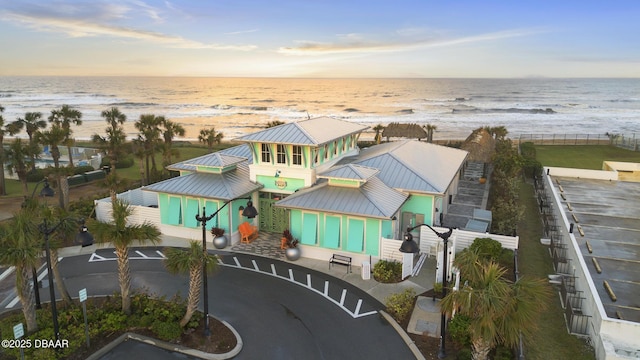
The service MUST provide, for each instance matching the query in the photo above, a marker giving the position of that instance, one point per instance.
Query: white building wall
(610, 337)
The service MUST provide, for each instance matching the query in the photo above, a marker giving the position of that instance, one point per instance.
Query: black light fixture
(408, 245)
(84, 238)
(46, 191)
(443, 317)
(250, 212)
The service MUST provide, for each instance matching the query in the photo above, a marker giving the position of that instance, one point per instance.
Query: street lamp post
(46, 191)
(250, 212)
(84, 238)
(443, 317)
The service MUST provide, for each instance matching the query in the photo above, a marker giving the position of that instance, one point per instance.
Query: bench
(342, 260)
(248, 232)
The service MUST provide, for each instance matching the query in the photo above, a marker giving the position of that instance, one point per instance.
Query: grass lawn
(551, 339)
(583, 156)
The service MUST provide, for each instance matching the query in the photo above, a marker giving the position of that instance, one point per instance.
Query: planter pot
(483, 180)
(292, 254)
(220, 242)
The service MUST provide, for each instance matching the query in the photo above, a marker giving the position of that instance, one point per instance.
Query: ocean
(237, 106)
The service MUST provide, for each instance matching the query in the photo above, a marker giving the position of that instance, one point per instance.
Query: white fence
(135, 197)
(430, 242)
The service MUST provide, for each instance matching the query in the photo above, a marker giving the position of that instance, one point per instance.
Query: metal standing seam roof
(414, 165)
(314, 131)
(373, 199)
(225, 186)
(221, 158)
(350, 172)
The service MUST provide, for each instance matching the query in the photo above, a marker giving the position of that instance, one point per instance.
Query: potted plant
(219, 240)
(292, 251)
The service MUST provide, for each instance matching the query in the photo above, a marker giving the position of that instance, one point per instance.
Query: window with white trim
(297, 155)
(281, 154)
(266, 153)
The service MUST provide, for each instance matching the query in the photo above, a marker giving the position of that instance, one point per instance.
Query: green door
(272, 218)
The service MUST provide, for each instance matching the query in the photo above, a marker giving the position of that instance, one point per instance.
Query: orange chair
(248, 232)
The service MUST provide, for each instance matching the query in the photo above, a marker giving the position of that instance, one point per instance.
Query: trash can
(366, 270)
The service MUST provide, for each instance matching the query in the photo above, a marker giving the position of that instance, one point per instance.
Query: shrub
(399, 304)
(437, 288)
(123, 163)
(506, 258)
(503, 353)
(459, 329)
(82, 169)
(166, 330)
(464, 354)
(385, 271)
(38, 174)
(487, 248)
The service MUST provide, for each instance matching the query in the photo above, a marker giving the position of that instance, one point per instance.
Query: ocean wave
(222, 107)
(133, 104)
(508, 110)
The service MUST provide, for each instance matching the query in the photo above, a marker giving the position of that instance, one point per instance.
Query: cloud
(357, 45)
(86, 21)
(241, 32)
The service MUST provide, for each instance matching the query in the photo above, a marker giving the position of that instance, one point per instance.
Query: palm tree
(65, 117)
(3, 130)
(498, 132)
(210, 137)
(171, 130)
(17, 159)
(378, 129)
(498, 309)
(122, 235)
(137, 146)
(112, 144)
(190, 260)
(65, 231)
(273, 123)
(54, 137)
(20, 248)
(32, 123)
(149, 127)
(430, 130)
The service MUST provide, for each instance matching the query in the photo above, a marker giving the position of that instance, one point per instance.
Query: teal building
(310, 177)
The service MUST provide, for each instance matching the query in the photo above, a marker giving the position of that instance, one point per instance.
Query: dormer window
(297, 155)
(281, 155)
(266, 153)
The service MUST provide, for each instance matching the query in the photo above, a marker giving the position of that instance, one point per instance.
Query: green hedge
(124, 163)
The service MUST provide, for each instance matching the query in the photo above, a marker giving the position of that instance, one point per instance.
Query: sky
(321, 38)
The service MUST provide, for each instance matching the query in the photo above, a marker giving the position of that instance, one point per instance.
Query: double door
(272, 218)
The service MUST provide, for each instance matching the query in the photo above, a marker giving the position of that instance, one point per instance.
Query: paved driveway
(280, 310)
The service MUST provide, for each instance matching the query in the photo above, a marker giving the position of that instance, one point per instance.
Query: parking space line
(354, 314)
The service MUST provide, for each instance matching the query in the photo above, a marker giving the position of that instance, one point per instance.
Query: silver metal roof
(373, 199)
(350, 172)
(314, 131)
(226, 186)
(413, 165)
(241, 150)
(226, 157)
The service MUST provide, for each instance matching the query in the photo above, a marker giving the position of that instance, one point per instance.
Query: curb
(170, 347)
(403, 334)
